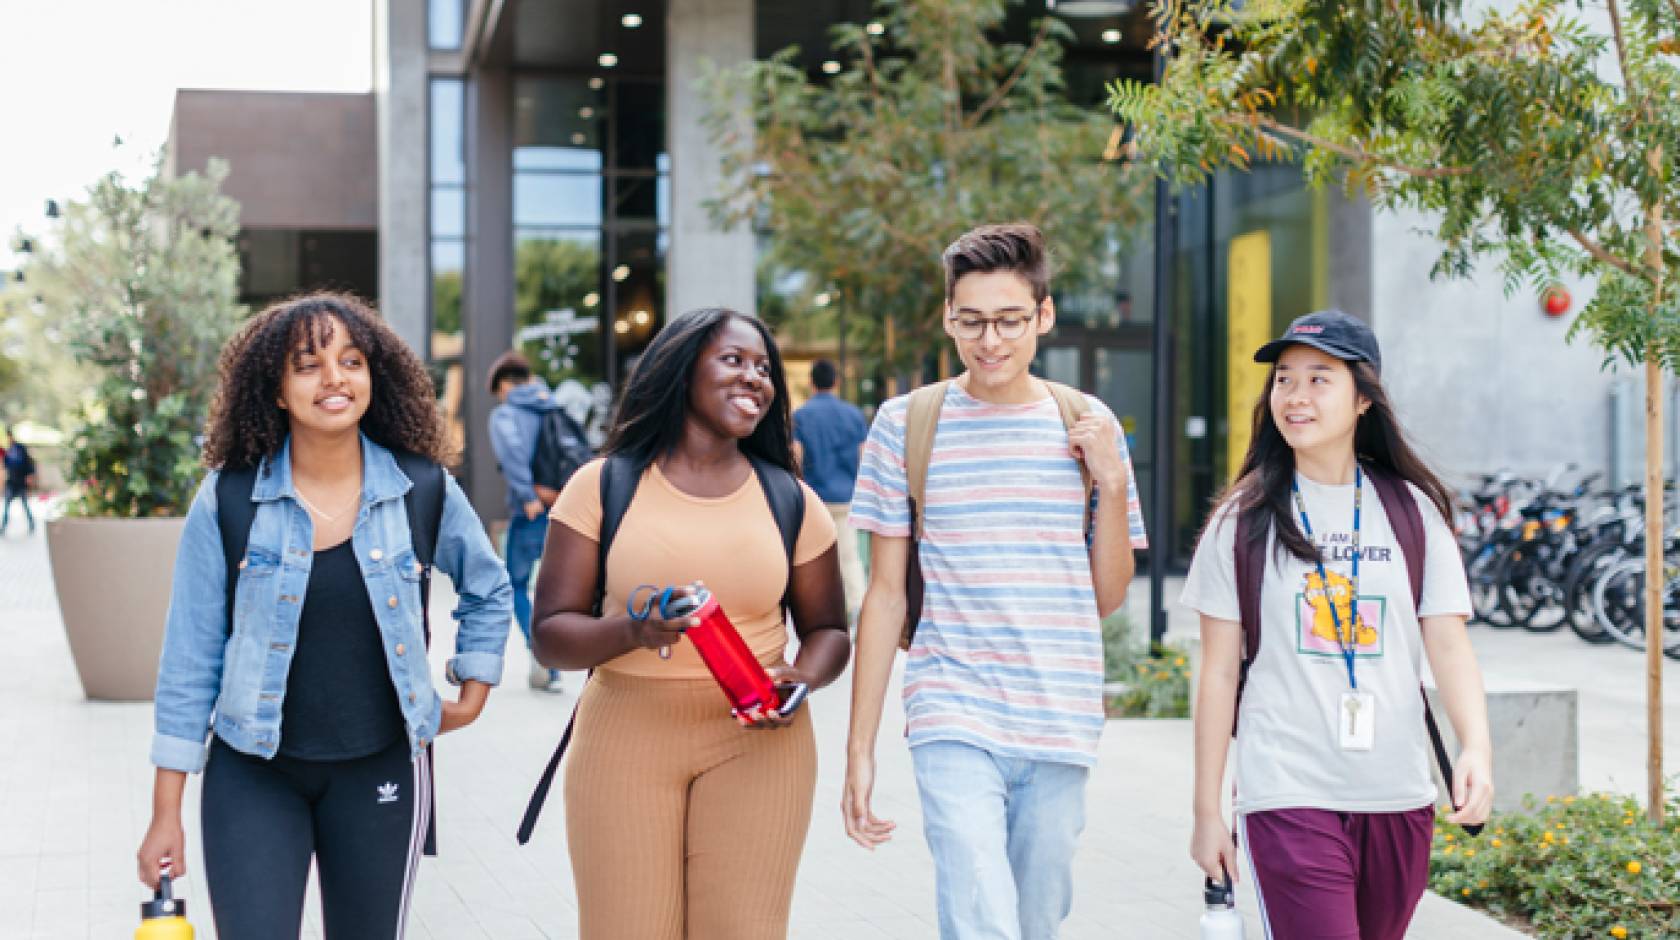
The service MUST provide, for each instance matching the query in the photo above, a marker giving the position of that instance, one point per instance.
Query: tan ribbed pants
(852, 576)
(683, 825)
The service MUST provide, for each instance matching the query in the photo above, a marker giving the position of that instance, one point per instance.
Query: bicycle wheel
(1530, 598)
(1618, 601)
(1484, 587)
(1578, 587)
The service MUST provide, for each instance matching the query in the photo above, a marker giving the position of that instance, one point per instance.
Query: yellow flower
(1482, 884)
(1547, 838)
(1448, 837)
(1619, 932)
(1634, 868)
(1497, 843)
(1160, 675)
(1565, 840)
(1568, 800)
(1469, 853)
(1448, 850)
(1465, 892)
(1179, 661)
(1560, 825)
(1551, 799)
(1628, 821)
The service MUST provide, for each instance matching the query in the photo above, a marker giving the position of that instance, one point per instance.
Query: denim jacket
(209, 680)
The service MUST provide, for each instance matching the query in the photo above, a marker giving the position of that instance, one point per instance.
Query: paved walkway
(75, 800)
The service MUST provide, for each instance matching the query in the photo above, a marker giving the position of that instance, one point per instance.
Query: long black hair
(1261, 492)
(651, 412)
(246, 422)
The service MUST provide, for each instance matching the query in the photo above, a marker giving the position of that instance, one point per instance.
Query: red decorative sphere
(1556, 300)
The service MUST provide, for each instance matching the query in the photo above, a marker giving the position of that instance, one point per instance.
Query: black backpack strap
(787, 505)
(424, 505)
(234, 514)
(620, 475)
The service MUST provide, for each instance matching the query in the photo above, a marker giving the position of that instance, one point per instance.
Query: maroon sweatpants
(1324, 875)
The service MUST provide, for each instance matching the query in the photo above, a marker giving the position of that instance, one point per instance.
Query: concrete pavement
(75, 800)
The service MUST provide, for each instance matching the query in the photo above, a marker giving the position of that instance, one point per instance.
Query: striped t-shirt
(1008, 655)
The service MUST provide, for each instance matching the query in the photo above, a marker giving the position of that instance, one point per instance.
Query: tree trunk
(1655, 571)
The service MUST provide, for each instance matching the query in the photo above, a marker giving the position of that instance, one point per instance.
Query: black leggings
(361, 820)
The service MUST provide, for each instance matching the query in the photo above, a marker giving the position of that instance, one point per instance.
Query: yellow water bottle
(164, 917)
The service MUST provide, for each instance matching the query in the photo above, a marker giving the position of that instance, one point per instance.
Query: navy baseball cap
(1329, 331)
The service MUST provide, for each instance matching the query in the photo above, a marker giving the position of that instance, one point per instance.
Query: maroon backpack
(1407, 523)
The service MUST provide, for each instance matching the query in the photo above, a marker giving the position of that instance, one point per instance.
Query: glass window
(556, 199)
(445, 23)
(449, 138)
(449, 212)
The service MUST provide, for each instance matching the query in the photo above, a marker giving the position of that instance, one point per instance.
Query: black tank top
(340, 701)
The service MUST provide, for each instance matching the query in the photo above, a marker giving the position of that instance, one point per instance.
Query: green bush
(1575, 867)
(1157, 681)
(142, 282)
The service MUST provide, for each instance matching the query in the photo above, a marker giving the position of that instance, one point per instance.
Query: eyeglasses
(1011, 326)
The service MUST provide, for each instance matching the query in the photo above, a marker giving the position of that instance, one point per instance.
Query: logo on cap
(1307, 328)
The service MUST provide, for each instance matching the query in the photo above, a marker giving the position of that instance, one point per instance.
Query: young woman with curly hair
(310, 678)
(680, 822)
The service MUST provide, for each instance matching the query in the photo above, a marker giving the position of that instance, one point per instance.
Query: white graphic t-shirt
(1288, 755)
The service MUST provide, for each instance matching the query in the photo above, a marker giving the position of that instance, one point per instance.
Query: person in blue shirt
(305, 694)
(828, 434)
(514, 425)
(20, 476)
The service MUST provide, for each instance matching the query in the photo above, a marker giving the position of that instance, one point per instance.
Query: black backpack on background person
(562, 447)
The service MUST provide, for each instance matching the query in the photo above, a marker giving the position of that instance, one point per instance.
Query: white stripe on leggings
(422, 794)
(1254, 872)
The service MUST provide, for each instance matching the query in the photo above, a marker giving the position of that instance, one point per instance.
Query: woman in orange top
(681, 823)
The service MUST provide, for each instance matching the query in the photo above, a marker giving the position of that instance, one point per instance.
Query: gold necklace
(326, 517)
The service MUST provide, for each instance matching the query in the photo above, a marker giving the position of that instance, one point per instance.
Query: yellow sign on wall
(1248, 327)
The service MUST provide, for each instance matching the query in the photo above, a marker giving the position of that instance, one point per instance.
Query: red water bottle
(738, 672)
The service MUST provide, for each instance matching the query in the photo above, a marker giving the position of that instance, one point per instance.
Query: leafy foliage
(1589, 866)
(1156, 682)
(1528, 132)
(931, 127)
(142, 283)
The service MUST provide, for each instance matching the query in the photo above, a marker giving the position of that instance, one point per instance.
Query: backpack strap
(234, 514)
(921, 423)
(620, 477)
(1250, 550)
(424, 505)
(1073, 405)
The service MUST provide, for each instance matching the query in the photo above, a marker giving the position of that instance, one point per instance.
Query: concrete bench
(1536, 740)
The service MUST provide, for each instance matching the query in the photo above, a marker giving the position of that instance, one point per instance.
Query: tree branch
(1600, 254)
(1271, 126)
(1621, 46)
(1002, 90)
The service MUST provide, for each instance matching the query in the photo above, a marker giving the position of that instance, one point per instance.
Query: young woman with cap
(1333, 796)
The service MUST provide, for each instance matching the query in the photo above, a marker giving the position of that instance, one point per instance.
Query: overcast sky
(77, 73)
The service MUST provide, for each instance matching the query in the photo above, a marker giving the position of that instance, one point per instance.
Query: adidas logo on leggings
(387, 792)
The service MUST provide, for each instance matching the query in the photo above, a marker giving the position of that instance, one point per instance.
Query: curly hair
(246, 421)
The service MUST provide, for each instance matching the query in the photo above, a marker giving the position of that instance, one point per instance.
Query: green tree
(931, 126)
(1532, 137)
(142, 282)
(551, 275)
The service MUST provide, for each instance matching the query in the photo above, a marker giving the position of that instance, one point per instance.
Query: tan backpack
(921, 423)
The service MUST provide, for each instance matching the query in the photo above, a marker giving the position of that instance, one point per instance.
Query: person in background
(514, 425)
(20, 479)
(828, 436)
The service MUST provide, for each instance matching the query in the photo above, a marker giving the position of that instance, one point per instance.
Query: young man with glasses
(1003, 683)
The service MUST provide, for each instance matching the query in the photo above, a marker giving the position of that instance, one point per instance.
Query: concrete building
(536, 170)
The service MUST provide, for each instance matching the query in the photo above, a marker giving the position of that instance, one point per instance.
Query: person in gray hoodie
(514, 425)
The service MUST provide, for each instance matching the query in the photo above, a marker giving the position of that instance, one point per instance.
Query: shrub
(1156, 680)
(1571, 867)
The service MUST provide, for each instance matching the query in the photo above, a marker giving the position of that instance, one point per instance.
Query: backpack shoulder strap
(424, 505)
(1250, 570)
(921, 423)
(620, 475)
(787, 505)
(234, 514)
(1073, 405)
(1407, 522)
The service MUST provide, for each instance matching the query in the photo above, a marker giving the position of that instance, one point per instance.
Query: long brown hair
(1261, 493)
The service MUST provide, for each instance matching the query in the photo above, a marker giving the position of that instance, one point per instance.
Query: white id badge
(1356, 715)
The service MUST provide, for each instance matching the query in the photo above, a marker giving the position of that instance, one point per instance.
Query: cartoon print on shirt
(1315, 626)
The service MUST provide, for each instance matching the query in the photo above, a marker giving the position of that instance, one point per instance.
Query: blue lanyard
(1348, 643)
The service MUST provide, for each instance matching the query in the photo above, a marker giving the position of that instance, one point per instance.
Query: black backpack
(619, 478)
(424, 505)
(562, 447)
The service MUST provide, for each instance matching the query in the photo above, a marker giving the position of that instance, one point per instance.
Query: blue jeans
(524, 547)
(1002, 832)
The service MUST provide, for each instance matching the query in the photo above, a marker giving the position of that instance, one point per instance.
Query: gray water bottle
(1221, 922)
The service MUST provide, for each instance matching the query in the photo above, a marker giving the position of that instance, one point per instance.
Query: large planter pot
(113, 578)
